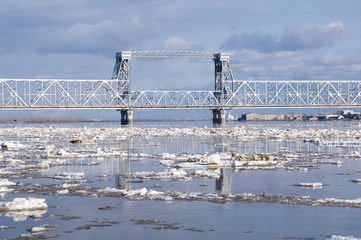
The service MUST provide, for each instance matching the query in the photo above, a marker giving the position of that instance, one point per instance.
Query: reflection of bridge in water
(218, 144)
(228, 93)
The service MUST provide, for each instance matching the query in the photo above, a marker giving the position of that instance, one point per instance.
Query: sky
(279, 39)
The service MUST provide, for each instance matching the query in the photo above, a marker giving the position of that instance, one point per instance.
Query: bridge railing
(78, 94)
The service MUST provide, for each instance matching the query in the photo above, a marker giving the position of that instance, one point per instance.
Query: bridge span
(228, 93)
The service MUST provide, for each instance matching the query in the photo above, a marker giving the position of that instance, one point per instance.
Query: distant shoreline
(82, 120)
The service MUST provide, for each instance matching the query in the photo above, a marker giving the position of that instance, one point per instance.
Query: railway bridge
(228, 93)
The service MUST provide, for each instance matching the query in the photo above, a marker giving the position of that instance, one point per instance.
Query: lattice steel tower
(223, 77)
(121, 72)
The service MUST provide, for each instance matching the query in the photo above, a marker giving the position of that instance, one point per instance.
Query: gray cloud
(310, 36)
(299, 37)
(256, 41)
(298, 65)
(104, 36)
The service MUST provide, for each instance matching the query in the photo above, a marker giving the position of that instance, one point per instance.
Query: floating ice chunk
(19, 204)
(205, 173)
(335, 237)
(82, 192)
(3, 227)
(154, 192)
(62, 192)
(6, 172)
(6, 182)
(42, 228)
(214, 159)
(79, 140)
(358, 180)
(168, 156)
(48, 148)
(111, 190)
(62, 152)
(69, 185)
(11, 145)
(137, 192)
(43, 165)
(70, 176)
(255, 163)
(167, 163)
(177, 172)
(191, 165)
(167, 198)
(355, 154)
(5, 190)
(141, 192)
(353, 201)
(310, 185)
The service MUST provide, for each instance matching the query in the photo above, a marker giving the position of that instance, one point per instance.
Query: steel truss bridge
(103, 94)
(228, 93)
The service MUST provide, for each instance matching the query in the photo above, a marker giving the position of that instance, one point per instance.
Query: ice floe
(20, 204)
(5, 190)
(310, 185)
(336, 237)
(70, 176)
(6, 182)
(42, 228)
(358, 180)
(168, 174)
(145, 194)
(3, 227)
(45, 147)
(11, 145)
(21, 208)
(62, 192)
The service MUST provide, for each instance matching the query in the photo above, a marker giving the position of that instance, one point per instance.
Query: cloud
(294, 65)
(300, 37)
(104, 36)
(311, 36)
(256, 41)
(177, 43)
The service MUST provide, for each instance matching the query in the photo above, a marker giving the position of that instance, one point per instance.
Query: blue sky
(279, 39)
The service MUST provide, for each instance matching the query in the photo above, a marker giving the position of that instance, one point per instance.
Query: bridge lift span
(228, 93)
(223, 77)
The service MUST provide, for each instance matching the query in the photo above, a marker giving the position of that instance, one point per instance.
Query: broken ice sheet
(309, 185)
(21, 208)
(336, 237)
(70, 176)
(42, 228)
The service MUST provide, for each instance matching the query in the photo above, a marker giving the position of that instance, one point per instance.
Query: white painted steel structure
(228, 93)
(104, 94)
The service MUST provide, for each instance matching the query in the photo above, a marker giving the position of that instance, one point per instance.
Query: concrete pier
(219, 116)
(126, 117)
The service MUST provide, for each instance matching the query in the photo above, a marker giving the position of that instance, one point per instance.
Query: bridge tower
(121, 72)
(223, 84)
(223, 87)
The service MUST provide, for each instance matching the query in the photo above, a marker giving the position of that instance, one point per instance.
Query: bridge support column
(219, 116)
(126, 117)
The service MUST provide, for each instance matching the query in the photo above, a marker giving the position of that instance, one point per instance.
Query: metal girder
(104, 94)
(171, 54)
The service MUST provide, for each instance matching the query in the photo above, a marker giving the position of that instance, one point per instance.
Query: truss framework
(223, 74)
(104, 94)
